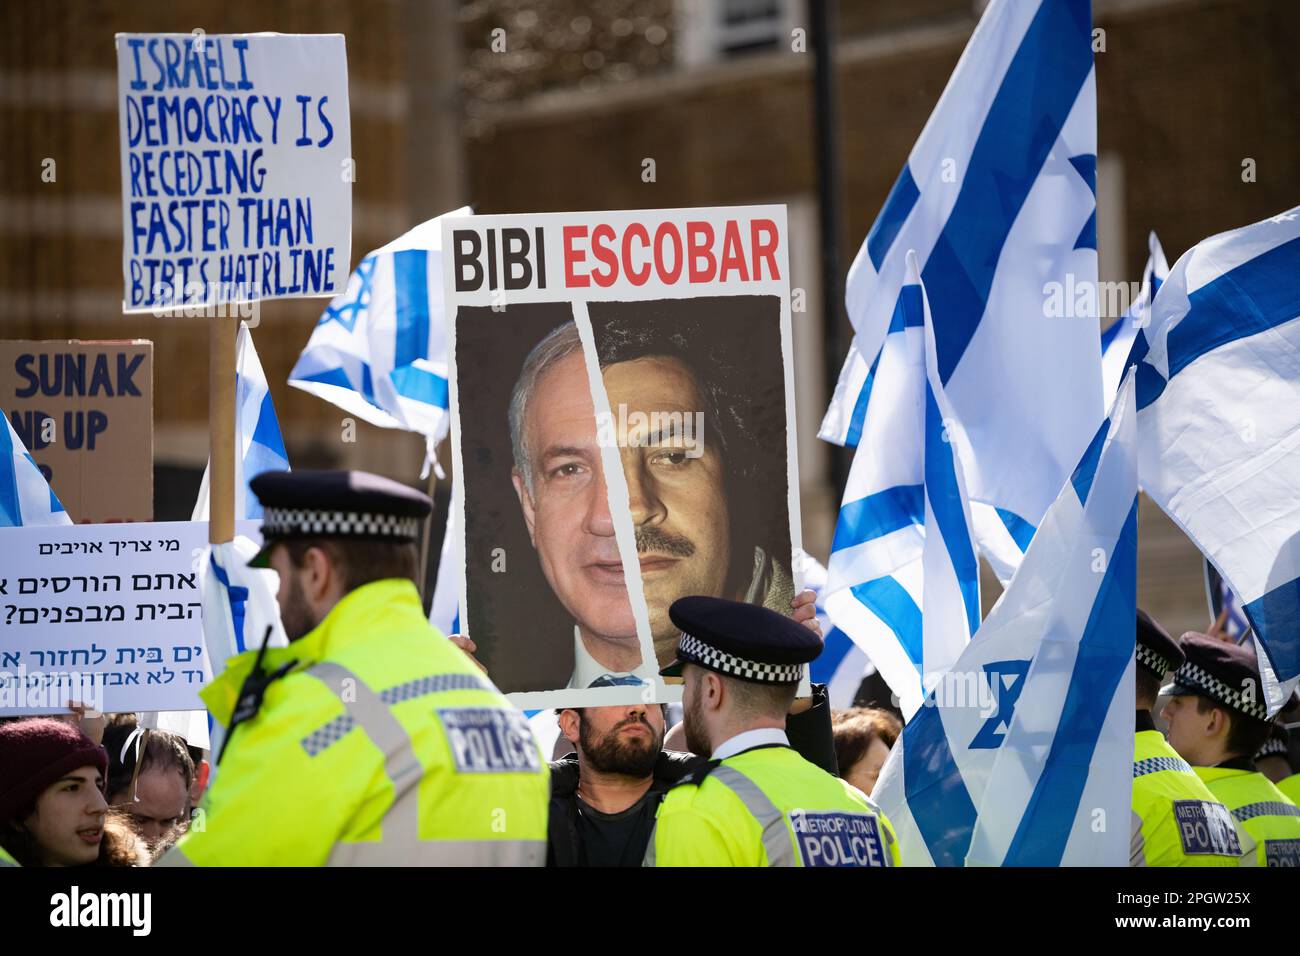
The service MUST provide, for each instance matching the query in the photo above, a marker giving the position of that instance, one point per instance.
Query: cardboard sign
(85, 412)
(624, 436)
(236, 168)
(109, 615)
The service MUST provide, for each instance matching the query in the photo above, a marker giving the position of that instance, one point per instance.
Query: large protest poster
(236, 168)
(108, 615)
(84, 410)
(623, 435)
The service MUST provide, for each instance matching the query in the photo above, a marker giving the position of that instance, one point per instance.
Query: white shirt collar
(749, 739)
(587, 669)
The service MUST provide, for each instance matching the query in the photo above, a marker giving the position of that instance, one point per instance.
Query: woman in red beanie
(52, 806)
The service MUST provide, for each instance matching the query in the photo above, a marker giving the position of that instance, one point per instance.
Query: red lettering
(667, 230)
(765, 250)
(573, 256)
(699, 237)
(600, 237)
(635, 276)
(732, 255)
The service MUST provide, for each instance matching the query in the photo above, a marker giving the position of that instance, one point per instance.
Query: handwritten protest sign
(236, 168)
(109, 615)
(84, 410)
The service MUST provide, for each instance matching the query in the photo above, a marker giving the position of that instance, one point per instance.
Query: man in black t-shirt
(605, 795)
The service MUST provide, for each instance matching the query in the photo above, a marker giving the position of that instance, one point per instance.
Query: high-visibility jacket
(384, 745)
(1290, 786)
(1265, 818)
(767, 806)
(1176, 820)
(6, 859)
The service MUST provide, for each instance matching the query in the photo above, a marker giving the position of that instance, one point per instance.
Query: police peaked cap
(1223, 672)
(1156, 650)
(343, 505)
(745, 641)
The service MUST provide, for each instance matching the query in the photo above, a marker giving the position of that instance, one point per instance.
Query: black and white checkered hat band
(1273, 747)
(1198, 679)
(299, 522)
(692, 649)
(1149, 659)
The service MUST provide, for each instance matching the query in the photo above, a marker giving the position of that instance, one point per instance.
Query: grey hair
(560, 343)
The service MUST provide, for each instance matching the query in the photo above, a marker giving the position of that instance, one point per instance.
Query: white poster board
(109, 615)
(236, 168)
(624, 436)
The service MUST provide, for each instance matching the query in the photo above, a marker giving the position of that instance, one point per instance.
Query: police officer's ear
(321, 575)
(525, 501)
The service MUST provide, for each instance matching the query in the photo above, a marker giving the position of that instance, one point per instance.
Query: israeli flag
(239, 606)
(1117, 342)
(26, 499)
(1218, 397)
(261, 446)
(1022, 754)
(380, 349)
(444, 611)
(998, 198)
(842, 666)
(903, 576)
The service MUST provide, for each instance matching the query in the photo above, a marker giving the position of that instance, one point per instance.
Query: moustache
(655, 540)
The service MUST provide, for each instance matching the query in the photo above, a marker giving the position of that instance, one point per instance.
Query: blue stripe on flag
(860, 406)
(1112, 330)
(1275, 615)
(1104, 652)
(1041, 84)
(411, 282)
(1257, 295)
(942, 808)
(879, 514)
(909, 311)
(1086, 470)
(834, 649)
(11, 512)
(420, 385)
(1022, 532)
(267, 433)
(889, 601)
(945, 502)
(902, 197)
(238, 598)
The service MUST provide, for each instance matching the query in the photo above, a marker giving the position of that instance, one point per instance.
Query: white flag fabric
(257, 430)
(380, 349)
(26, 499)
(1118, 340)
(238, 606)
(903, 576)
(1028, 741)
(444, 611)
(998, 198)
(842, 665)
(1219, 424)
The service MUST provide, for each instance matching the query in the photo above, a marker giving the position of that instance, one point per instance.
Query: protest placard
(623, 435)
(84, 410)
(108, 615)
(236, 168)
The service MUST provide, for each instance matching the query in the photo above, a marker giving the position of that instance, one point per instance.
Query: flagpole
(424, 541)
(221, 428)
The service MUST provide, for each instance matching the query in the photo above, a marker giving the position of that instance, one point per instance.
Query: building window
(717, 31)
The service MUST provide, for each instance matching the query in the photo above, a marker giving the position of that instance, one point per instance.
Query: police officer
(1176, 820)
(1217, 721)
(755, 802)
(370, 739)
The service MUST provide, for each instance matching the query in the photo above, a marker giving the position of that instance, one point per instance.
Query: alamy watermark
(624, 429)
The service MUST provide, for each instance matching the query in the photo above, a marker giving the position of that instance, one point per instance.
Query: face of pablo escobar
(677, 504)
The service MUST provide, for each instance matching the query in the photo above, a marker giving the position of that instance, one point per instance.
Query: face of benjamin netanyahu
(678, 507)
